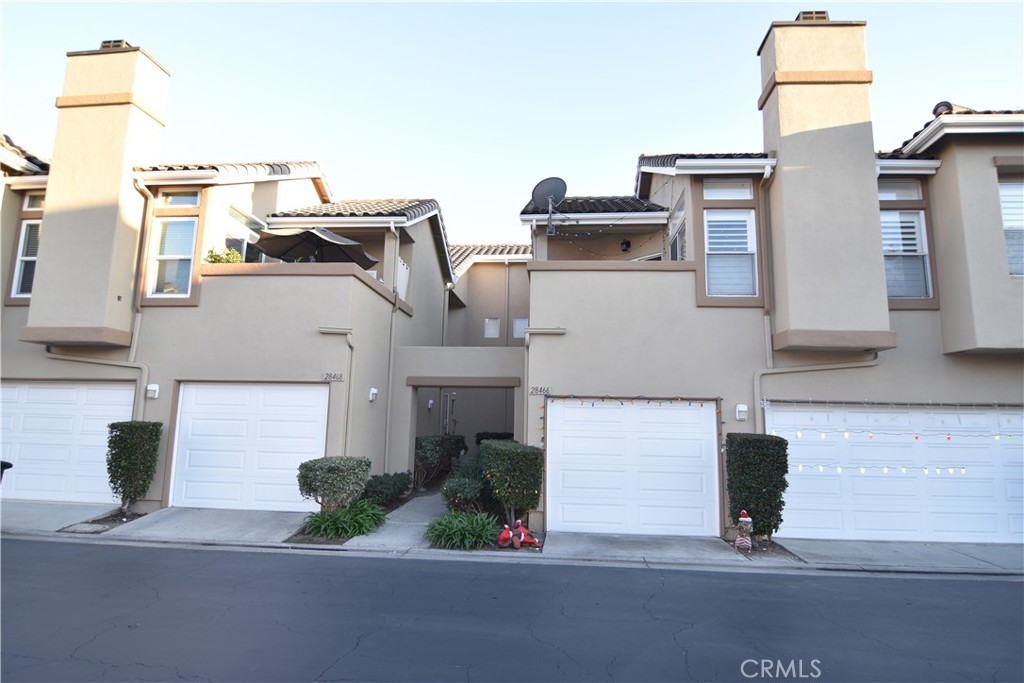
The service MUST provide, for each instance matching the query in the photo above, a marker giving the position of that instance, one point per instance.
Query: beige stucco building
(867, 306)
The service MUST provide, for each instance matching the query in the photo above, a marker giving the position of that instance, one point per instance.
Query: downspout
(140, 387)
(391, 354)
(824, 367)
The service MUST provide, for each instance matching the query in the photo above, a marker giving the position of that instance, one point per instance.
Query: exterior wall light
(625, 245)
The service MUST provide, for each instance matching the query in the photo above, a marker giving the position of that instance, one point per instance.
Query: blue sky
(472, 104)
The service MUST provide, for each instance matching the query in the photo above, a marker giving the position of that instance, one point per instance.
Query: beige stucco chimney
(829, 273)
(111, 118)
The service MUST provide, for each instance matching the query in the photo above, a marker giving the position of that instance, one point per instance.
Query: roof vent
(119, 44)
(814, 15)
(942, 108)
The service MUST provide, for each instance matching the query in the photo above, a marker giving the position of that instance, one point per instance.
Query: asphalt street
(101, 612)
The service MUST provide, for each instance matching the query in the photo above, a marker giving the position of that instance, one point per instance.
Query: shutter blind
(730, 252)
(906, 260)
(1011, 204)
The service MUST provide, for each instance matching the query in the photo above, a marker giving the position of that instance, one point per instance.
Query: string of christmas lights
(799, 433)
(885, 469)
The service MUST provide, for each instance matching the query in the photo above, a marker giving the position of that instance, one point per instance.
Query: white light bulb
(821, 468)
(938, 471)
(885, 470)
(862, 470)
(903, 470)
(926, 471)
(839, 470)
(846, 435)
(799, 435)
(949, 470)
(996, 437)
(963, 470)
(822, 435)
(800, 467)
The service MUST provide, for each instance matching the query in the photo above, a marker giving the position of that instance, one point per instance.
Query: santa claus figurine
(744, 530)
(521, 536)
(505, 537)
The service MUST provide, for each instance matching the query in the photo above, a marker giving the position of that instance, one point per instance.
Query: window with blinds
(730, 252)
(171, 269)
(904, 238)
(906, 254)
(1011, 204)
(28, 250)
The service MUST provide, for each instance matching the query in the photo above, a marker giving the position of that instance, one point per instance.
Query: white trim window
(35, 201)
(170, 271)
(1011, 206)
(492, 328)
(177, 198)
(28, 250)
(905, 247)
(730, 252)
(519, 326)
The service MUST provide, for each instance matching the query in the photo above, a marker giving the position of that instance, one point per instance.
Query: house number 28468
(334, 377)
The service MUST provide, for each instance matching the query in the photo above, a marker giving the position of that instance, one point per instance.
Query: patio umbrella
(313, 243)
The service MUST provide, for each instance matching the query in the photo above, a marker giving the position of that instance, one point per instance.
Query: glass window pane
(901, 232)
(28, 274)
(35, 200)
(173, 276)
(492, 328)
(1011, 202)
(1015, 251)
(728, 189)
(889, 190)
(176, 238)
(906, 277)
(30, 245)
(731, 275)
(184, 198)
(519, 327)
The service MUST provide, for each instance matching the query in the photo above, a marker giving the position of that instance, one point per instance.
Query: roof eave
(26, 182)
(907, 166)
(623, 218)
(970, 124)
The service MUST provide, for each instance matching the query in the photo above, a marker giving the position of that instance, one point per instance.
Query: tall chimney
(829, 272)
(111, 118)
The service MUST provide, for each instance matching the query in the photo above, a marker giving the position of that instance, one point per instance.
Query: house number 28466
(334, 377)
(543, 391)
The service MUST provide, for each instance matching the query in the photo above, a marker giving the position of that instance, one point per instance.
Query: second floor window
(28, 250)
(1011, 204)
(904, 239)
(171, 264)
(730, 246)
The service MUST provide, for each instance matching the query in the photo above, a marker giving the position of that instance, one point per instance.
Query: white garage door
(56, 437)
(632, 467)
(892, 473)
(239, 446)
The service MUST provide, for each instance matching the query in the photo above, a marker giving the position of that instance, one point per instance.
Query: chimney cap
(118, 44)
(812, 15)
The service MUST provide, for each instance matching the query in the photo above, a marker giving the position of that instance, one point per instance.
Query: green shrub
(384, 488)
(333, 482)
(462, 494)
(358, 519)
(132, 450)
(229, 256)
(463, 530)
(755, 467)
(493, 436)
(435, 454)
(470, 468)
(514, 473)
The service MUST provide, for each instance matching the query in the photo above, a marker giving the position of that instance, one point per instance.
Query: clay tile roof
(628, 204)
(268, 168)
(669, 160)
(955, 110)
(33, 165)
(406, 208)
(464, 254)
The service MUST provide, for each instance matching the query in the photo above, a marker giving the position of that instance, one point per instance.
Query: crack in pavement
(661, 589)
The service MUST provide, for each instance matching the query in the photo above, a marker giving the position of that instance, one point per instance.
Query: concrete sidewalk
(404, 534)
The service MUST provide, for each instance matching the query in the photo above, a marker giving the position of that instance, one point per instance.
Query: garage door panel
(52, 395)
(949, 478)
(200, 427)
(670, 483)
(593, 517)
(288, 398)
(272, 494)
(281, 461)
(42, 485)
(822, 519)
(592, 448)
(289, 429)
(584, 482)
(664, 449)
(39, 423)
(670, 520)
(88, 487)
(212, 493)
(44, 455)
(217, 459)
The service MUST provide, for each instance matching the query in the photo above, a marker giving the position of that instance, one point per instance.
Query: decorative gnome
(744, 530)
(522, 536)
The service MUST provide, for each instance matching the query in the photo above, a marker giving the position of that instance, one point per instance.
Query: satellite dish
(550, 192)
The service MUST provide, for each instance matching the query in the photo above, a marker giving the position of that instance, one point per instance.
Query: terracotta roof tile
(669, 160)
(33, 165)
(627, 204)
(955, 110)
(464, 254)
(356, 208)
(270, 168)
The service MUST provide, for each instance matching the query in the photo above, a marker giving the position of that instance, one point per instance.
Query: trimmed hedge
(756, 466)
(333, 482)
(434, 456)
(515, 474)
(384, 488)
(463, 494)
(132, 450)
(493, 436)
